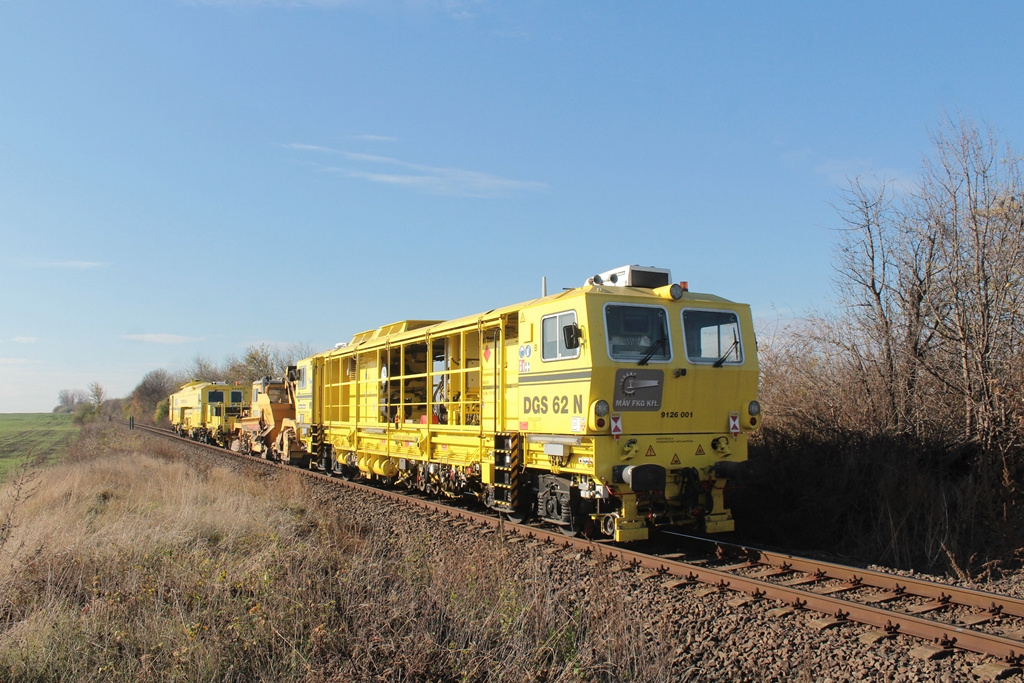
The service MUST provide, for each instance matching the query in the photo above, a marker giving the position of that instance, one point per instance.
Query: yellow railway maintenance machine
(207, 411)
(604, 409)
(267, 428)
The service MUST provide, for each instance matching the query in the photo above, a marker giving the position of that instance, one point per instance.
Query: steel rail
(907, 585)
(892, 622)
(856, 577)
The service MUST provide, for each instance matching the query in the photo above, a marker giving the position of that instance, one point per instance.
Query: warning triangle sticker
(650, 452)
(675, 459)
(700, 450)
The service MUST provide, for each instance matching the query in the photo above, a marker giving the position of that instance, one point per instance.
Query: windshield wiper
(721, 361)
(650, 352)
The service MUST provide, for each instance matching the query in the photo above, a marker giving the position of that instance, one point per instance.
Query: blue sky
(195, 177)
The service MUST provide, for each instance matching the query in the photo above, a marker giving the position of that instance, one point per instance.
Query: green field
(40, 435)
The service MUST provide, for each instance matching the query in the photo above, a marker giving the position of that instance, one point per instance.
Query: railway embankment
(137, 559)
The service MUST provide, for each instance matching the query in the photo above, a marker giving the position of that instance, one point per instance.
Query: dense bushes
(882, 499)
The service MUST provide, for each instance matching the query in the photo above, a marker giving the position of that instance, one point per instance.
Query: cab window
(712, 337)
(553, 340)
(637, 333)
(215, 397)
(236, 396)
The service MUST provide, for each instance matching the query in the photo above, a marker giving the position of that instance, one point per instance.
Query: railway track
(946, 617)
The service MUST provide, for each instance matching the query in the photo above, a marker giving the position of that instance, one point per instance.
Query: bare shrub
(17, 490)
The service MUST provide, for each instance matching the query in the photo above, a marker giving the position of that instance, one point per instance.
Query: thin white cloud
(15, 361)
(367, 137)
(75, 265)
(271, 3)
(23, 340)
(435, 179)
(311, 148)
(451, 7)
(162, 338)
(838, 172)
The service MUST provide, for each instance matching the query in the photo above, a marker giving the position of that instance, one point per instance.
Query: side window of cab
(553, 337)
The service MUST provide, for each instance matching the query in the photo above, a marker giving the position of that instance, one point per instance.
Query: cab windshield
(637, 333)
(712, 337)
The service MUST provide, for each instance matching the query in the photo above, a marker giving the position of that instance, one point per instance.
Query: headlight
(754, 408)
(601, 408)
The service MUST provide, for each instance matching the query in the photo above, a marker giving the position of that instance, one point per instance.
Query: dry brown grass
(127, 565)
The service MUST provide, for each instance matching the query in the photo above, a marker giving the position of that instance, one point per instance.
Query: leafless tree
(970, 203)
(258, 361)
(67, 399)
(265, 360)
(155, 387)
(202, 368)
(931, 290)
(296, 351)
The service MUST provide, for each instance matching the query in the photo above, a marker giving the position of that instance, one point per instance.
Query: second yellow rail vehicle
(207, 411)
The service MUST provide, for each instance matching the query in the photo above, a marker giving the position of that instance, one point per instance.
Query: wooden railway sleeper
(851, 585)
(941, 602)
(713, 588)
(894, 594)
(984, 616)
(737, 567)
(814, 577)
(770, 571)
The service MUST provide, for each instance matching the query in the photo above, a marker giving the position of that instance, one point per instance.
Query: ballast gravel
(700, 635)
